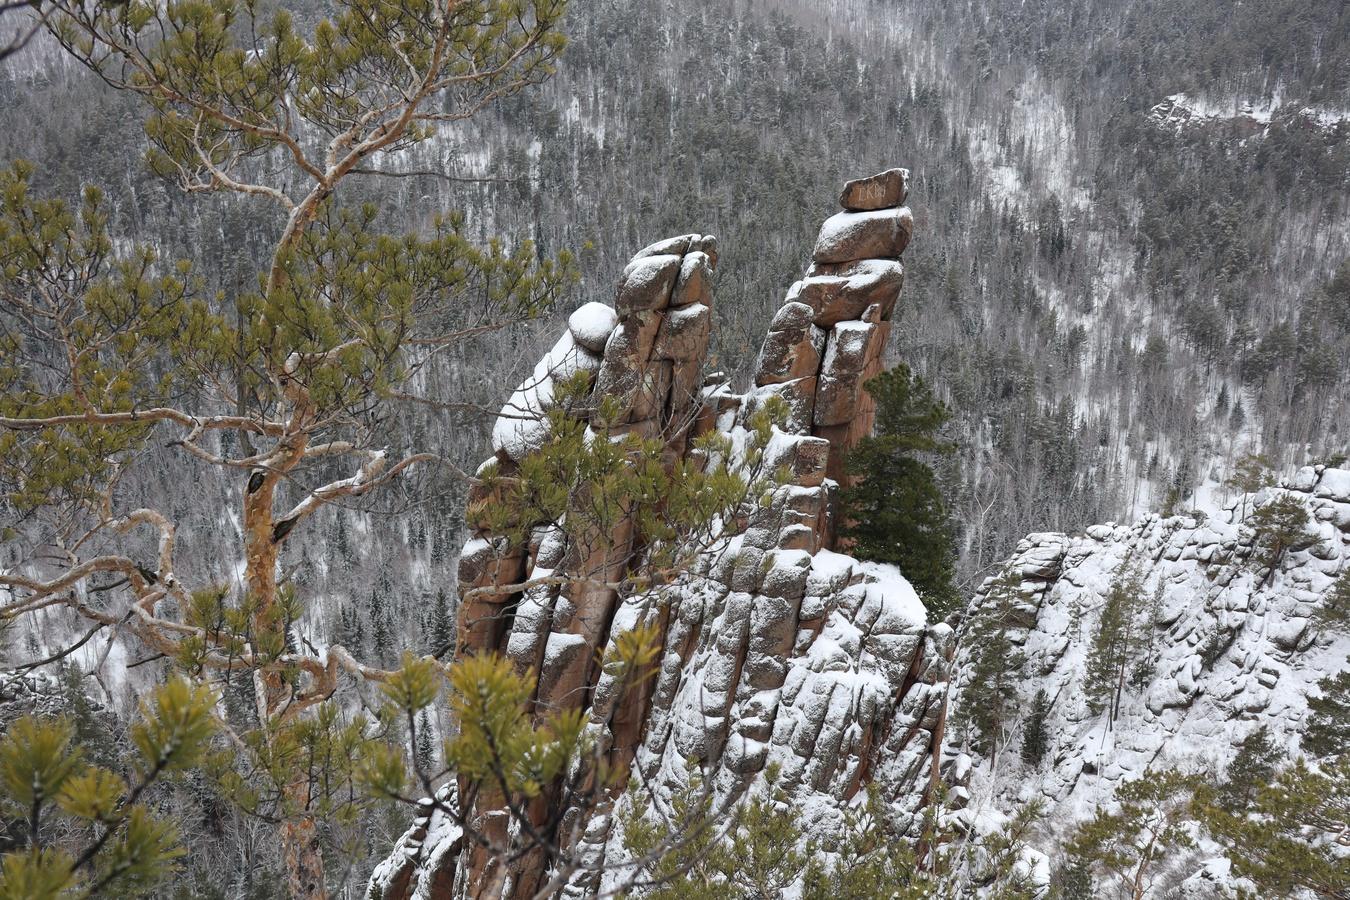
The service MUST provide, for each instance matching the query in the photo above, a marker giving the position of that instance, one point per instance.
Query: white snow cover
(841, 231)
(1183, 109)
(592, 324)
(1265, 653)
(522, 425)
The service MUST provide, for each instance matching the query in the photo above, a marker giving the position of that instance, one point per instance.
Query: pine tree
(381, 628)
(1150, 825)
(425, 750)
(441, 626)
(1253, 766)
(987, 705)
(896, 513)
(1145, 662)
(998, 867)
(1035, 739)
(1073, 881)
(1328, 730)
(350, 632)
(1251, 473)
(1280, 525)
(1288, 837)
(341, 544)
(1115, 643)
(85, 829)
(297, 363)
(1334, 612)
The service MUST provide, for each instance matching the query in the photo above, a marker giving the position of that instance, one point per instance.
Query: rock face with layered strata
(1231, 647)
(776, 650)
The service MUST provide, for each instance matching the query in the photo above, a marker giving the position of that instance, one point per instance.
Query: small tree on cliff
(1035, 737)
(1280, 525)
(108, 350)
(996, 662)
(1328, 732)
(1117, 641)
(896, 513)
(1251, 472)
(1334, 613)
(757, 849)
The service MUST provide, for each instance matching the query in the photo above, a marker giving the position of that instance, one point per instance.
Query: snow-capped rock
(776, 650)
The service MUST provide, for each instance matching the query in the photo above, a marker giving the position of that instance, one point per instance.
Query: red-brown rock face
(776, 650)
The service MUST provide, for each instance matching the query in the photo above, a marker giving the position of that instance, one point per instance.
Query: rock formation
(1231, 646)
(776, 649)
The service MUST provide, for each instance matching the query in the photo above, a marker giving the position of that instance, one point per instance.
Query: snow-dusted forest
(1081, 557)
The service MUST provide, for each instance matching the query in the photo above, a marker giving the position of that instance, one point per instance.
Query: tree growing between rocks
(1035, 739)
(1287, 832)
(995, 664)
(1328, 731)
(758, 850)
(1116, 642)
(1251, 473)
(1334, 612)
(1280, 525)
(896, 512)
(1255, 762)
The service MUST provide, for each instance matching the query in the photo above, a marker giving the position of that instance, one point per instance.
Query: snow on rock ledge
(776, 650)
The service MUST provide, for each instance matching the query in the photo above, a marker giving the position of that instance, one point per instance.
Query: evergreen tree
(995, 665)
(1328, 731)
(1115, 643)
(350, 632)
(91, 729)
(1128, 846)
(1145, 664)
(440, 626)
(296, 362)
(424, 754)
(1334, 613)
(121, 846)
(1253, 766)
(381, 628)
(1073, 881)
(1289, 837)
(1251, 472)
(1035, 739)
(1280, 525)
(896, 512)
(341, 544)
(763, 853)
(998, 866)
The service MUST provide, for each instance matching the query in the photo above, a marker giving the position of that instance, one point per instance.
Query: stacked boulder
(827, 339)
(775, 650)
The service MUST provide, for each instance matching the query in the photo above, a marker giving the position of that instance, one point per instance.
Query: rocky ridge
(777, 650)
(1234, 647)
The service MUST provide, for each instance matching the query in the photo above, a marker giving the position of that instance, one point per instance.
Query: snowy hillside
(1225, 646)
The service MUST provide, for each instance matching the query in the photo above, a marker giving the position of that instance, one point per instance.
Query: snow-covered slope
(1234, 647)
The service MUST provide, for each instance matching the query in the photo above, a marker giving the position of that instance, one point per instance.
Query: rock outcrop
(776, 650)
(1228, 646)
